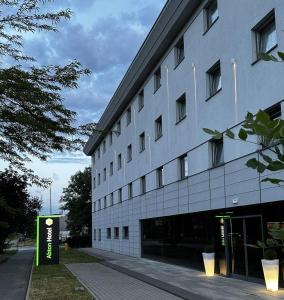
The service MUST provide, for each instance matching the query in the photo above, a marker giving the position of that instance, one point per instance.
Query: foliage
(270, 137)
(17, 209)
(274, 245)
(76, 200)
(34, 121)
(271, 57)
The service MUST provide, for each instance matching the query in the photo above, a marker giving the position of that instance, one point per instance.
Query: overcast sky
(104, 36)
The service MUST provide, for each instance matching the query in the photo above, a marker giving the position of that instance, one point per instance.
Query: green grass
(57, 282)
(6, 254)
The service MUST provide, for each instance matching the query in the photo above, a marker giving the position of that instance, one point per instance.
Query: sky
(104, 36)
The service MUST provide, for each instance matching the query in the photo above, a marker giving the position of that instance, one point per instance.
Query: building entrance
(245, 260)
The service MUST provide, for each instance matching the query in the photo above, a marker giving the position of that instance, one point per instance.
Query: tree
(34, 121)
(17, 208)
(76, 200)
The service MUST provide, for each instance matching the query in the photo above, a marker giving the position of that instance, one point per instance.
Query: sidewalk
(14, 276)
(187, 281)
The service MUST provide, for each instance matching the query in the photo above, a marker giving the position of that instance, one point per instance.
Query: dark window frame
(157, 79)
(158, 127)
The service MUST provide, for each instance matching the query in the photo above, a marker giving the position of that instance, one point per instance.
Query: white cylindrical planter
(271, 273)
(209, 263)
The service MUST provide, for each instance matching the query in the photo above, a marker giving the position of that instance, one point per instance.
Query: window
(119, 161)
(183, 167)
(94, 182)
(104, 146)
(95, 206)
(214, 79)
(99, 204)
(118, 127)
(99, 178)
(95, 234)
(179, 52)
(111, 168)
(157, 79)
(125, 232)
(128, 116)
(158, 128)
(265, 34)
(129, 153)
(116, 232)
(105, 201)
(100, 235)
(212, 14)
(108, 233)
(99, 153)
(274, 113)
(181, 108)
(160, 177)
(110, 138)
(217, 152)
(141, 100)
(105, 174)
(119, 195)
(142, 142)
(111, 199)
(130, 190)
(142, 185)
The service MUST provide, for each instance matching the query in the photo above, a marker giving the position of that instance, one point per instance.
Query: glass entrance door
(245, 261)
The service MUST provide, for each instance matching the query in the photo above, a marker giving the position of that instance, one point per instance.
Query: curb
(30, 280)
(83, 284)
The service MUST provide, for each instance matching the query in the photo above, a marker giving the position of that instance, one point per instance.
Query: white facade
(247, 85)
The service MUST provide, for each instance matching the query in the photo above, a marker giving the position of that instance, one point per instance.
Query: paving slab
(188, 280)
(15, 274)
(108, 284)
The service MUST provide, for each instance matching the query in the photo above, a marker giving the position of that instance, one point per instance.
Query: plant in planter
(273, 250)
(209, 260)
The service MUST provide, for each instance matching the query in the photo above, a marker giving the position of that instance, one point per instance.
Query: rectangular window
(160, 177)
(111, 168)
(110, 138)
(118, 127)
(99, 204)
(94, 182)
(119, 161)
(130, 190)
(141, 100)
(217, 150)
(183, 167)
(108, 233)
(157, 79)
(142, 142)
(212, 14)
(105, 201)
(100, 235)
(111, 199)
(95, 234)
(104, 146)
(158, 127)
(125, 232)
(128, 116)
(105, 174)
(142, 185)
(99, 178)
(99, 153)
(214, 79)
(116, 232)
(95, 206)
(181, 108)
(265, 34)
(119, 195)
(179, 52)
(129, 153)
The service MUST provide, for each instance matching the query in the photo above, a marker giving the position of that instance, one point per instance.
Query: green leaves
(243, 134)
(214, 133)
(230, 134)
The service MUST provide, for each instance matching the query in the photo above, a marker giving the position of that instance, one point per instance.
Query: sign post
(47, 241)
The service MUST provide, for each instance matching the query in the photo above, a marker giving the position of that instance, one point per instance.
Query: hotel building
(162, 188)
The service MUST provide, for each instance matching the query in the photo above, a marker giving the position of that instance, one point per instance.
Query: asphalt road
(15, 274)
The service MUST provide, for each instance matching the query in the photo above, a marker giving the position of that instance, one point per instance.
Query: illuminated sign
(47, 252)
